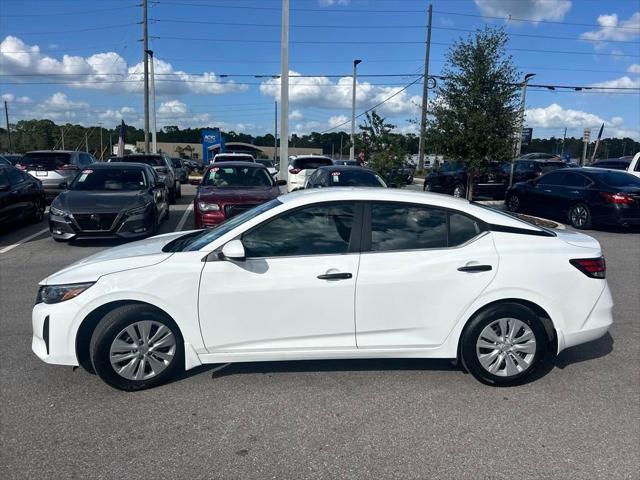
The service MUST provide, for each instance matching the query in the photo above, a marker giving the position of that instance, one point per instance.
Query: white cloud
(11, 98)
(555, 116)
(635, 68)
(338, 121)
(610, 28)
(324, 93)
(296, 115)
(105, 71)
(329, 3)
(622, 82)
(535, 10)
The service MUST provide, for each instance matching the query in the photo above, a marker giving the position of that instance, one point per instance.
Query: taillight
(69, 166)
(295, 171)
(591, 267)
(619, 198)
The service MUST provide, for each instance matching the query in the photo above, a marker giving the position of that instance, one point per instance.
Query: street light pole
(154, 133)
(523, 97)
(352, 149)
(284, 92)
(145, 49)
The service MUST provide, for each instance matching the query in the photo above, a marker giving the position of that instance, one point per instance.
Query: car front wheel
(458, 191)
(136, 347)
(503, 345)
(513, 202)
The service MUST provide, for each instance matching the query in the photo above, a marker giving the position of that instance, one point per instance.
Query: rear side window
(620, 179)
(575, 180)
(314, 230)
(402, 227)
(553, 178)
(551, 166)
(311, 163)
(405, 227)
(47, 160)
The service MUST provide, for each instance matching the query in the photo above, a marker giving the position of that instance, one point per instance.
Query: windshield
(50, 160)
(234, 177)
(196, 240)
(355, 178)
(116, 180)
(266, 163)
(153, 160)
(620, 179)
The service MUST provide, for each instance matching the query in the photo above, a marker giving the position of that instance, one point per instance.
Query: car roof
(236, 163)
(489, 215)
(355, 168)
(54, 151)
(233, 154)
(100, 165)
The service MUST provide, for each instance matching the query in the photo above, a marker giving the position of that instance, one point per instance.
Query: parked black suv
(451, 178)
(528, 169)
(614, 163)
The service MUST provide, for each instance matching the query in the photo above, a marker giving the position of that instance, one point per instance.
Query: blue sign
(210, 140)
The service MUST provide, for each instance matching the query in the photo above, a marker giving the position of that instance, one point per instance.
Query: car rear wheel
(178, 190)
(513, 203)
(38, 211)
(136, 347)
(172, 196)
(580, 216)
(458, 191)
(503, 345)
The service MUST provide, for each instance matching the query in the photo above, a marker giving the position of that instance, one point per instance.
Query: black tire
(459, 191)
(427, 186)
(470, 351)
(166, 214)
(179, 190)
(514, 203)
(60, 240)
(579, 216)
(112, 326)
(38, 211)
(172, 196)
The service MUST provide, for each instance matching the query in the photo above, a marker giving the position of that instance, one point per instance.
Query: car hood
(235, 195)
(142, 253)
(84, 201)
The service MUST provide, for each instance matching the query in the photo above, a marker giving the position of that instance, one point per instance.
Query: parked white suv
(302, 167)
(634, 166)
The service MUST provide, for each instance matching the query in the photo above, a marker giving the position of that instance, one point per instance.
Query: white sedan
(329, 274)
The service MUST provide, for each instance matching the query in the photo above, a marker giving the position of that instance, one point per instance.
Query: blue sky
(76, 60)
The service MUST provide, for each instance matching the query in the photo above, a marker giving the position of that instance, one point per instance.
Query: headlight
(208, 207)
(58, 212)
(60, 293)
(138, 210)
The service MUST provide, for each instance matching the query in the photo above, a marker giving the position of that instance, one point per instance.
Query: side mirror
(233, 250)
(281, 183)
(63, 185)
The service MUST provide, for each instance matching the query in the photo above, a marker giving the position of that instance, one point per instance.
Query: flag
(595, 150)
(121, 139)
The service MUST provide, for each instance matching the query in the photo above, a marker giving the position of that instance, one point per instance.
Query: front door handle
(335, 276)
(475, 268)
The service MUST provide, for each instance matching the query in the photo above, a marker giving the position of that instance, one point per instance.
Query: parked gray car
(161, 163)
(54, 168)
(182, 172)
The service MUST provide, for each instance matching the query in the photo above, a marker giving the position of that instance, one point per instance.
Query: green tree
(382, 149)
(475, 113)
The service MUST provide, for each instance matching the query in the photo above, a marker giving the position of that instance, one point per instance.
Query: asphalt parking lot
(404, 419)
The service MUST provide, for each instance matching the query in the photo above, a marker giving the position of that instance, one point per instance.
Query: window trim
(355, 241)
(367, 230)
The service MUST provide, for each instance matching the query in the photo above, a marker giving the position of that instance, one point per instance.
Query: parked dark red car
(230, 188)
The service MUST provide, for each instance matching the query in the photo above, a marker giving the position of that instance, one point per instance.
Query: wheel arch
(540, 312)
(90, 322)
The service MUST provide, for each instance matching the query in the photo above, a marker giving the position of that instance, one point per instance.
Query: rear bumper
(595, 326)
(618, 215)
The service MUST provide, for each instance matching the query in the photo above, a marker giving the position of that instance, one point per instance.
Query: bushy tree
(475, 113)
(382, 148)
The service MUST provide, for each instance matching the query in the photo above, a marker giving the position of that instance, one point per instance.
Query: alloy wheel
(142, 350)
(506, 347)
(513, 204)
(458, 192)
(579, 216)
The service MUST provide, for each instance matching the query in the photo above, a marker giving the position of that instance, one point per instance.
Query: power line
(64, 14)
(91, 29)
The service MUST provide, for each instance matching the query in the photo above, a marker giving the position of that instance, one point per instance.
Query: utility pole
(145, 48)
(6, 116)
(425, 94)
(154, 130)
(86, 142)
(284, 92)
(62, 137)
(523, 97)
(275, 135)
(564, 137)
(101, 147)
(352, 149)
(340, 145)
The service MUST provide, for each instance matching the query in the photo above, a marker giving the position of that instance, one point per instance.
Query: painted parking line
(8, 248)
(183, 220)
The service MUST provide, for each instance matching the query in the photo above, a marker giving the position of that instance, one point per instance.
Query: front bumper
(208, 219)
(595, 326)
(52, 339)
(125, 226)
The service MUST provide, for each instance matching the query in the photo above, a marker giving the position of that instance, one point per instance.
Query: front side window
(575, 180)
(402, 227)
(553, 178)
(314, 230)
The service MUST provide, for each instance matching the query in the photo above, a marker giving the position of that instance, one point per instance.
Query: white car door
(424, 268)
(295, 290)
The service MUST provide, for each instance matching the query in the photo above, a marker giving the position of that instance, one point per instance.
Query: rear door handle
(475, 268)
(335, 276)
